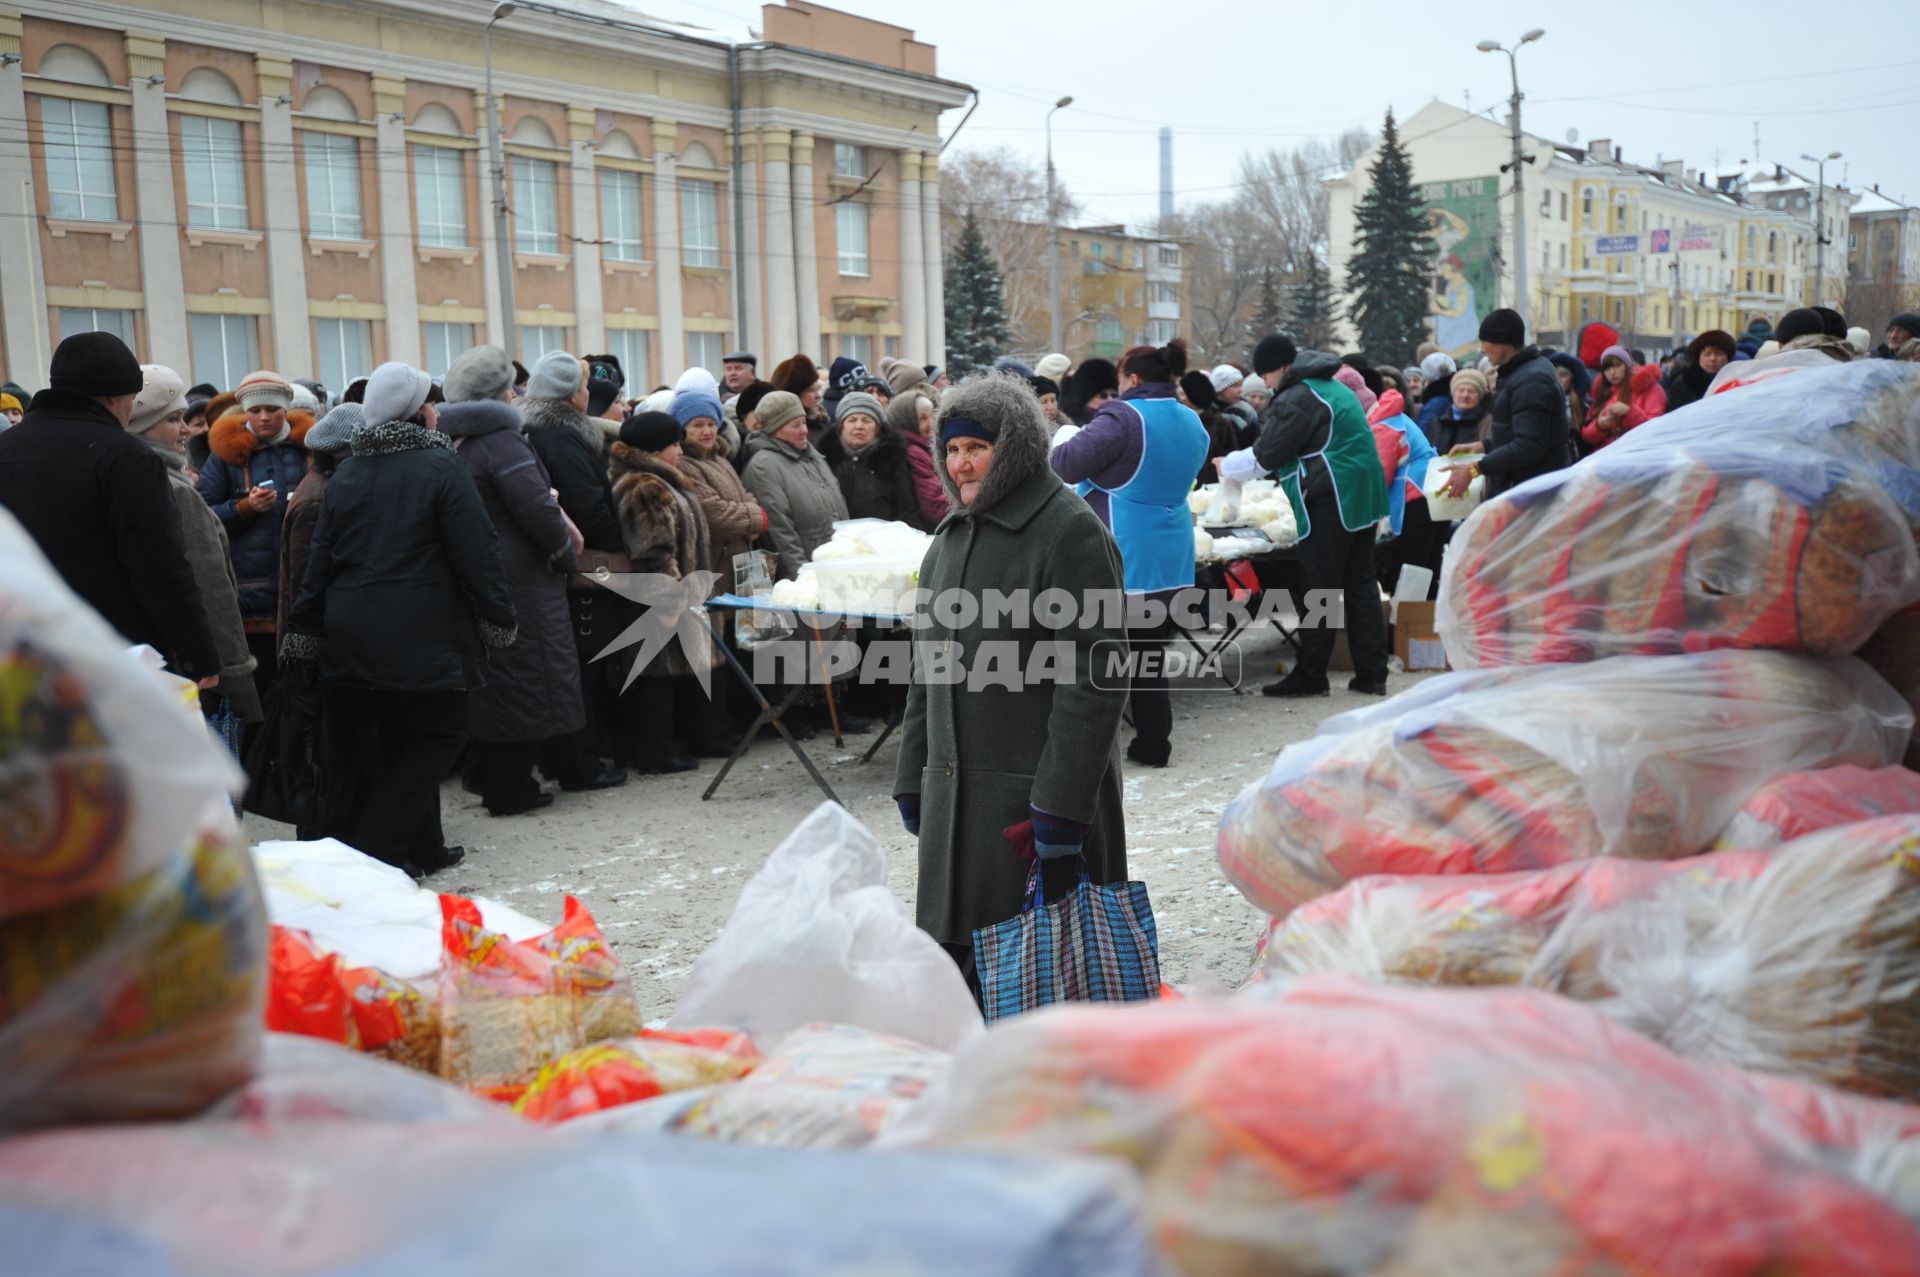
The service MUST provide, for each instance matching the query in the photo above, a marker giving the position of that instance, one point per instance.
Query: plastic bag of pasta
(1807, 802)
(1327, 1127)
(655, 1062)
(1779, 517)
(320, 995)
(1525, 767)
(507, 1008)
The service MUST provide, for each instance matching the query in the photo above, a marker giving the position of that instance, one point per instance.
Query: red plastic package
(319, 995)
(1807, 802)
(650, 1064)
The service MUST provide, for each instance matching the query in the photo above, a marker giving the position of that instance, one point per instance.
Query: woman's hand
(257, 501)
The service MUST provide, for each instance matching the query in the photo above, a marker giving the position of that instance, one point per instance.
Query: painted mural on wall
(1464, 215)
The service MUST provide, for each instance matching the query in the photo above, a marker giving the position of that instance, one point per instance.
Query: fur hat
(264, 387)
(990, 406)
(1860, 339)
(1223, 377)
(557, 375)
(1594, 339)
(1803, 321)
(1199, 389)
(652, 431)
(860, 401)
(161, 393)
(1470, 377)
(796, 376)
(691, 404)
(96, 364)
(1713, 339)
(1053, 367)
(778, 408)
(749, 398)
(483, 372)
(332, 435)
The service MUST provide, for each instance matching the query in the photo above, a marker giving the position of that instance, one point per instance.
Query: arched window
(696, 155)
(204, 84)
(1586, 208)
(325, 102)
(435, 118)
(619, 146)
(75, 65)
(531, 131)
(77, 140)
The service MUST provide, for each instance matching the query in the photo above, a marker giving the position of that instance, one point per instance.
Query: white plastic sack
(1447, 509)
(816, 935)
(365, 910)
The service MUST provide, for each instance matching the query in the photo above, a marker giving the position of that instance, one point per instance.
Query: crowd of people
(420, 562)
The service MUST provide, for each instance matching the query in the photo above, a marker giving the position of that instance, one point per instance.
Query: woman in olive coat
(978, 758)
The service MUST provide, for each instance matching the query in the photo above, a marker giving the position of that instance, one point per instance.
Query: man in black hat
(95, 499)
(1530, 434)
(737, 371)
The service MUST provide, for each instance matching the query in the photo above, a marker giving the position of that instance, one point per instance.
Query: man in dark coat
(533, 688)
(990, 773)
(95, 498)
(1529, 435)
(1695, 368)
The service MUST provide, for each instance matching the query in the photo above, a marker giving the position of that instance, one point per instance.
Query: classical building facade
(1659, 254)
(308, 186)
(1883, 261)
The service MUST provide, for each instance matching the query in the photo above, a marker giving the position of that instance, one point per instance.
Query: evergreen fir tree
(1389, 278)
(1312, 307)
(977, 331)
(1267, 317)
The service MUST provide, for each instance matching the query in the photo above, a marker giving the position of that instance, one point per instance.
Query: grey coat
(978, 756)
(802, 499)
(533, 688)
(211, 558)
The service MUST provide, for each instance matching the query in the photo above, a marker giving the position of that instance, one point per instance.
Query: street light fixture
(1517, 165)
(1820, 240)
(503, 247)
(1054, 335)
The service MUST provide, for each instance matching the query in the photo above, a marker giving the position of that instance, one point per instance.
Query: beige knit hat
(161, 392)
(776, 409)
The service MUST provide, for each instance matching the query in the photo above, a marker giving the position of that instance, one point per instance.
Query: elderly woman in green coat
(990, 775)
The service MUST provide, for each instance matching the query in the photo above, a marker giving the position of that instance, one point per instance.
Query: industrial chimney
(1166, 175)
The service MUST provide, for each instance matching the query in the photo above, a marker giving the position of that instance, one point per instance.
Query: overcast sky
(1664, 80)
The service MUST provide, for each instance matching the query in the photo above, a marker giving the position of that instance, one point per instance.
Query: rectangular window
(333, 187)
(893, 347)
(225, 348)
(537, 340)
(700, 223)
(79, 151)
(857, 347)
(1563, 206)
(442, 344)
(440, 196)
(849, 160)
(1162, 331)
(851, 221)
(536, 205)
(211, 154)
(345, 349)
(85, 320)
(704, 351)
(1098, 265)
(1165, 294)
(1169, 255)
(1139, 259)
(629, 346)
(620, 216)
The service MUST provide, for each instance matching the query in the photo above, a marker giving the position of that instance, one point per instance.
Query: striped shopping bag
(1094, 944)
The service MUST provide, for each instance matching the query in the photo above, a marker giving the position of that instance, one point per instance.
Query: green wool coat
(978, 756)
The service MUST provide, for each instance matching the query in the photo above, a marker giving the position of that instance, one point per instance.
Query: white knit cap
(161, 392)
(1255, 384)
(394, 393)
(697, 379)
(304, 399)
(1053, 366)
(1223, 376)
(1437, 365)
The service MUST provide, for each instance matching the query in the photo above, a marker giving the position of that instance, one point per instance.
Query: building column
(783, 308)
(283, 218)
(23, 302)
(398, 289)
(806, 255)
(936, 275)
(162, 281)
(590, 309)
(750, 329)
(489, 248)
(668, 259)
(913, 269)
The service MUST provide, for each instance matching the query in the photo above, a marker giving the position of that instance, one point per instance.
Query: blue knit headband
(967, 428)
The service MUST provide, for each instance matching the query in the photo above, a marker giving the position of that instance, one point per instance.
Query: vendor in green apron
(1314, 439)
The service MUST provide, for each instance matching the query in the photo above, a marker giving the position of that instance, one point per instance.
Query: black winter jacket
(574, 451)
(878, 484)
(96, 500)
(404, 585)
(1530, 434)
(1297, 424)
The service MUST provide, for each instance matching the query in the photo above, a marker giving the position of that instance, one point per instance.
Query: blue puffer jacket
(239, 462)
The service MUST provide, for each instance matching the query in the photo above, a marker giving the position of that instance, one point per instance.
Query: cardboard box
(1415, 641)
(1341, 662)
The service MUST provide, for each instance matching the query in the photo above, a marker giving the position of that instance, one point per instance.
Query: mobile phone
(264, 483)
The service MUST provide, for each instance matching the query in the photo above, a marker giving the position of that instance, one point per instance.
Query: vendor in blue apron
(1135, 463)
(1315, 440)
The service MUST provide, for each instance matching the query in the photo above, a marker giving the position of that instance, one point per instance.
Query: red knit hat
(1594, 340)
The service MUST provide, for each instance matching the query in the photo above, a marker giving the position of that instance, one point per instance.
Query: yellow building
(308, 186)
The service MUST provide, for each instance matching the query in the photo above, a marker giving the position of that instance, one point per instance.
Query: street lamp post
(1055, 340)
(503, 246)
(1820, 227)
(1522, 302)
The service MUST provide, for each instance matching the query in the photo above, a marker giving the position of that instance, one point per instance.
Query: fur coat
(665, 532)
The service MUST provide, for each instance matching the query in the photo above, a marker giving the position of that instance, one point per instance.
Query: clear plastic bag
(1326, 1127)
(1526, 767)
(303, 1079)
(817, 936)
(1780, 516)
(1807, 802)
(1801, 960)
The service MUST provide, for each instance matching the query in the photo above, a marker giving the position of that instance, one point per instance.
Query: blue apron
(1148, 514)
